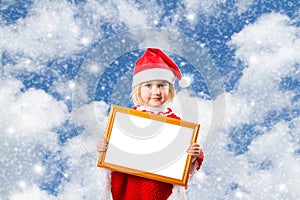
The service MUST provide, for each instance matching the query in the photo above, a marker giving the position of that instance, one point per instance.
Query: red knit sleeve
(199, 159)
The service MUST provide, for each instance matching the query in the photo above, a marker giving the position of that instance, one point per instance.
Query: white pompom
(184, 82)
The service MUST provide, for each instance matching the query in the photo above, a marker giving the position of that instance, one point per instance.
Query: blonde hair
(136, 94)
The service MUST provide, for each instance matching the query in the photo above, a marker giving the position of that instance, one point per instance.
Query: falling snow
(57, 84)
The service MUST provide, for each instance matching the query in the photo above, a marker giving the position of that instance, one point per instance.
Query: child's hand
(194, 150)
(102, 145)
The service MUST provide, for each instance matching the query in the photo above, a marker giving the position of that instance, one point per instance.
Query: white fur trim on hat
(153, 74)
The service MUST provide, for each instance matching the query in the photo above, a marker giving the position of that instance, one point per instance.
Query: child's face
(154, 93)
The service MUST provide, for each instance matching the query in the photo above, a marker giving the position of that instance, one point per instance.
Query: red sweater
(129, 187)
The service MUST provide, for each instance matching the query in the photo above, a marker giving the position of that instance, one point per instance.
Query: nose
(155, 89)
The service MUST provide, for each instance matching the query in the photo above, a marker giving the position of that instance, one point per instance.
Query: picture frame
(148, 145)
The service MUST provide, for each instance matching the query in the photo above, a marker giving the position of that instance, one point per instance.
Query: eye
(147, 85)
(162, 85)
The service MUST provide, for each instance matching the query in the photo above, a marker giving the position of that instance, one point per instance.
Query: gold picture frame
(148, 145)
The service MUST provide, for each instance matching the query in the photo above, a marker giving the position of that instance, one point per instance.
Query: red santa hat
(156, 65)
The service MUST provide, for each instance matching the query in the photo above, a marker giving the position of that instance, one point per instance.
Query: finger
(102, 145)
(195, 145)
(104, 141)
(193, 153)
(102, 149)
(193, 150)
(196, 152)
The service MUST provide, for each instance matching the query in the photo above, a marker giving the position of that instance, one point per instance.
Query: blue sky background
(55, 91)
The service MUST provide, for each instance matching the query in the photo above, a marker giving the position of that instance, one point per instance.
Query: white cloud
(27, 122)
(221, 168)
(275, 148)
(271, 35)
(206, 6)
(59, 29)
(131, 15)
(6, 4)
(243, 6)
(82, 177)
(269, 169)
(213, 8)
(49, 30)
(32, 193)
(195, 110)
(128, 13)
(270, 48)
(26, 125)
(28, 113)
(82, 171)
(93, 118)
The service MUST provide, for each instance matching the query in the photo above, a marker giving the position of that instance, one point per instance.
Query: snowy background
(57, 81)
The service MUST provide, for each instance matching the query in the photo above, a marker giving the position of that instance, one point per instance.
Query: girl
(152, 88)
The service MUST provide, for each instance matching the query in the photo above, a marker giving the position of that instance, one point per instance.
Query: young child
(152, 88)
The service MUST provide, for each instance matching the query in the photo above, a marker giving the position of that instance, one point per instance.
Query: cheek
(144, 93)
(165, 95)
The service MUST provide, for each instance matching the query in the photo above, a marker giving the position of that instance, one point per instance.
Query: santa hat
(156, 65)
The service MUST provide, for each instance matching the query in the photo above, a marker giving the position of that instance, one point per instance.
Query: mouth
(156, 99)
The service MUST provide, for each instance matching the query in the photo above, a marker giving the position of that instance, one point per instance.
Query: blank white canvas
(148, 145)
